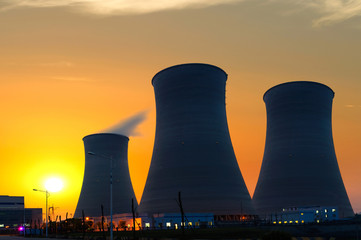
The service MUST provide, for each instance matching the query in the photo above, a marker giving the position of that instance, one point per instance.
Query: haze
(72, 68)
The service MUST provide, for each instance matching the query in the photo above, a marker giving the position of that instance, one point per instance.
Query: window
(147, 225)
(333, 210)
(176, 226)
(317, 211)
(168, 224)
(210, 223)
(325, 210)
(2, 225)
(189, 223)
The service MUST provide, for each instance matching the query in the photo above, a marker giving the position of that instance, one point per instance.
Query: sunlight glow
(53, 184)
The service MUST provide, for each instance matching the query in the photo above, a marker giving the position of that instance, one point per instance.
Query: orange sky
(66, 73)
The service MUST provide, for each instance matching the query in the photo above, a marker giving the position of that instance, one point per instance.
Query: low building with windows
(13, 214)
(174, 220)
(299, 215)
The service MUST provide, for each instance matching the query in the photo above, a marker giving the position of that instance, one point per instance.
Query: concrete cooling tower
(100, 150)
(193, 152)
(299, 165)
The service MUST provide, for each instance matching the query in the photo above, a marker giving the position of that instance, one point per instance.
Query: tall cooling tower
(193, 152)
(100, 150)
(299, 165)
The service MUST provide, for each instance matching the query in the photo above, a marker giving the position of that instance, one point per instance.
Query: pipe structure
(193, 152)
(299, 165)
(106, 176)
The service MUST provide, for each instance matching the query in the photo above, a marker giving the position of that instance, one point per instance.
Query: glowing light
(53, 184)
(21, 229)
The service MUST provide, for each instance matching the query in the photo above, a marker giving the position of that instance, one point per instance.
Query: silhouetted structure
(299, 165)
(193, 152)
(104, 148)
(13, 213)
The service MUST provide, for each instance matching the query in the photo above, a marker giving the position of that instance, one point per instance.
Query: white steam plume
(114, 7)
(329, 11)
(128, 126)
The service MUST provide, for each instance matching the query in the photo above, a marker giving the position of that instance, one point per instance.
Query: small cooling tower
(100, 150)
(193, 152)
(299, 165)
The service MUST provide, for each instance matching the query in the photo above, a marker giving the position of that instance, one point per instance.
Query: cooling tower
(193, 152)
(105, 148)
(299, 165)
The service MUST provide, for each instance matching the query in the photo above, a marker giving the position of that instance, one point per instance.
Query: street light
(111, 189)
(46, 217)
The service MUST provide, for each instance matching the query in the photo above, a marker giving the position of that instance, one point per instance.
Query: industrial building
(105, 153)
(174, 221)
(315, 214)
(193, 152)
(13, 214)
(299, 165)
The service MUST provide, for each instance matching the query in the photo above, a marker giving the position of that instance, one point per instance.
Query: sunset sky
(69, 68)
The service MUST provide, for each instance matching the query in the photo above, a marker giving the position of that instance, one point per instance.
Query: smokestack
(299, 165)
(100, 150)
(193, 152)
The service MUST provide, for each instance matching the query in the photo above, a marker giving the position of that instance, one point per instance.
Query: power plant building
(299, 167)
(193, 152)
(13, 213)
(104, 151)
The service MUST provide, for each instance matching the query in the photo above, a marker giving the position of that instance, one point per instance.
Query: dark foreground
(336, 231)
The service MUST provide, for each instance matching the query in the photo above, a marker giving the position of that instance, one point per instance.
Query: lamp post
(46, 209)
(111, 189)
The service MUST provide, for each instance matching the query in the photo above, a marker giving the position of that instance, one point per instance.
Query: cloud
(115, 7)
(330, 11)
(128, 126)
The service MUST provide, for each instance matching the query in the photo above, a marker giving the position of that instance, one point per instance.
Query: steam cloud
(329, 11)
(129, 126)
(115, 7)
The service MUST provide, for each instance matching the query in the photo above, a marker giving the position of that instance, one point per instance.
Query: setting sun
(54, 184)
